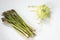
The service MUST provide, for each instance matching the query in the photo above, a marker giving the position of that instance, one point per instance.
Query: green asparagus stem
(18, 23)
(14, 26)
(10, 18)
(28, 29)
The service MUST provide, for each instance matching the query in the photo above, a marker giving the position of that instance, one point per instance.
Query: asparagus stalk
(14, 26)
(18, 23)
(10, 18)
(23, 23)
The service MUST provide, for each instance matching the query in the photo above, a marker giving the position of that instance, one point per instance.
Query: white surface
(45, 31)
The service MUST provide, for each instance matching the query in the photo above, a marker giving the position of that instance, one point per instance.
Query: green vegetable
(11, 17)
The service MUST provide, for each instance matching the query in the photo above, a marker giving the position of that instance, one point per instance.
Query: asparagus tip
(13, 10)
(3, 19)
(4, 13)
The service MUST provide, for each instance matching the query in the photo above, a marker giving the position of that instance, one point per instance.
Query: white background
(44, 31)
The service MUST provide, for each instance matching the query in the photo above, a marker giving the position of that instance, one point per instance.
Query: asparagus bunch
(11, 17)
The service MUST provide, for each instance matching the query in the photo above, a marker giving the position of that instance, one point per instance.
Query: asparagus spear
(18, 23)
(14, 26)
(10, 18)
(23, 23)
